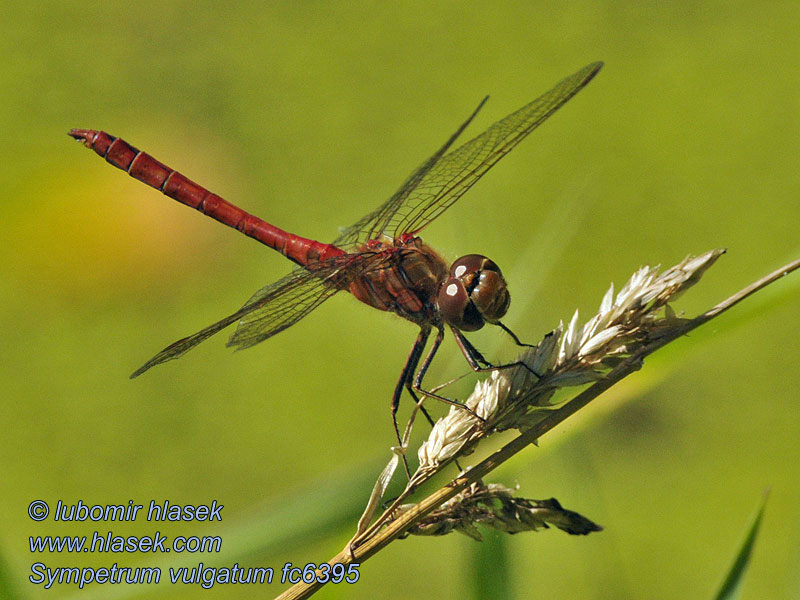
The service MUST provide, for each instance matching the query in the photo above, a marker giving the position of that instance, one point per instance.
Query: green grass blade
(7, 588)
(490, 572)
(731, 586)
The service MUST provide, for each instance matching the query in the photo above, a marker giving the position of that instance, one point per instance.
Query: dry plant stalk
(609, 347)
(495, 506)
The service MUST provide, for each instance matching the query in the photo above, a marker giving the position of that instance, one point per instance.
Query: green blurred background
(311, 114)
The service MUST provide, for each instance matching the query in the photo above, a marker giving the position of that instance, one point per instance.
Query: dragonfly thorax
(401, 276)
(474, 293)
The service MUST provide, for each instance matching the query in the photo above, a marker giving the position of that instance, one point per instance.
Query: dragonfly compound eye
(490, 296)
(456, 308)
(474, 293)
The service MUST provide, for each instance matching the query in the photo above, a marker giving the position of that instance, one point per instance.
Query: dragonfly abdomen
(177, 186)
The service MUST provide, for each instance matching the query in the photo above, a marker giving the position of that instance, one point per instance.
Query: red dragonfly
(380, 259)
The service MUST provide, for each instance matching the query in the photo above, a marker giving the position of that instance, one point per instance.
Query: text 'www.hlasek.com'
(183, 570)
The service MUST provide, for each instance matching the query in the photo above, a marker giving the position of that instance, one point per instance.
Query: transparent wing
(370, 226)
(444, 178)
(272, 309)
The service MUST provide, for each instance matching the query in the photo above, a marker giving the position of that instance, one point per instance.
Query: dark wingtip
(594, 69)
(146, 366)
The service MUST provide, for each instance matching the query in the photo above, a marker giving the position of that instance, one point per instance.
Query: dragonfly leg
(476, 360)
(410, 386)
(405, 376)
(514, 336)
(416, 386)
(424, 410)
(405, 381)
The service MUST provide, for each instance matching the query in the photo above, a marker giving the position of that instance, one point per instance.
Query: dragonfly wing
(284, 303)
(444, 178)
(375, 223)
(458, 171)
(269, 311)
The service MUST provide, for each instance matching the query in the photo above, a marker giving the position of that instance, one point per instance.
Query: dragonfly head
(473, 294)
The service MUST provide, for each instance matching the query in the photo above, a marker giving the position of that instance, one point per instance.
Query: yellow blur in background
(310, 115)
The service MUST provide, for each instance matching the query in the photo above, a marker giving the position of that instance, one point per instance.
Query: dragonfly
(381, 260)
